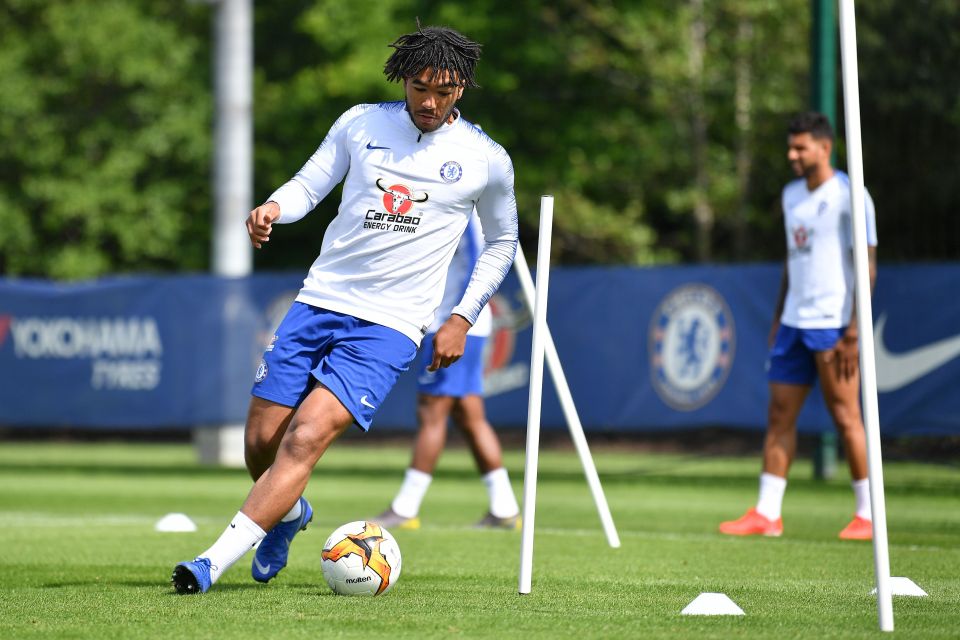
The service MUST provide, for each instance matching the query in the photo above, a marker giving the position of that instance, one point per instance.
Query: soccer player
(412, 171)
(456, 390)
(814, 332)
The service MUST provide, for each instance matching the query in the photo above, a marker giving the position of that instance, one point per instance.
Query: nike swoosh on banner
(896, 370)
(262, 568)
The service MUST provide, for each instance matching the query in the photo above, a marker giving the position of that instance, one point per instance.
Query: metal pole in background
(868, 371)
(823, 98)
(233, 161)
(233, 199)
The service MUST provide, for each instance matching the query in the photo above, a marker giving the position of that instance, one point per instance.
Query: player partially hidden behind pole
(412, 173)
(814, 332)
(455, 391)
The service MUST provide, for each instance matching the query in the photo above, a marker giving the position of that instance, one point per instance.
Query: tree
(658, 125)
(105, 123)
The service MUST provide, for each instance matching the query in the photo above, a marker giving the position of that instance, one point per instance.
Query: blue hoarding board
(642, 350)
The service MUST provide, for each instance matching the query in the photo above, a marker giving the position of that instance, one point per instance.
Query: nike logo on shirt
(371, 146)
(896, 370)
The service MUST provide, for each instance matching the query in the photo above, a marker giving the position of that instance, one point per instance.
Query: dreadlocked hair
(437, 48)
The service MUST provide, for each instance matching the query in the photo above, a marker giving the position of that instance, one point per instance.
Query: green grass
(79, 557)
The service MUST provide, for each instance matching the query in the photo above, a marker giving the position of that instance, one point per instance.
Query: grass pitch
(80, 557)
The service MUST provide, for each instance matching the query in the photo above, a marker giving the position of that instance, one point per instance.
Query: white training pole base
(903, 587)
(175, 523)
(712, 604)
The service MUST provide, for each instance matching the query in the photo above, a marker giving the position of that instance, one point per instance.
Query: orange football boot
(752, 524)
(858, 529)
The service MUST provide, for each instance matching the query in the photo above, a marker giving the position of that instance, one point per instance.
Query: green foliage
(619, 109)
(106, 138)
(590, 98)
(910, 111)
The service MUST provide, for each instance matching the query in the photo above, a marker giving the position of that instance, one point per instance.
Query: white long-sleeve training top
(458, 278)
(407, 198)
(820, 267)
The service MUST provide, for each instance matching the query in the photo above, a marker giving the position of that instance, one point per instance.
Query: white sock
(238, 538)
(414, 487)
(503, 504)
(861, 491)
(294, 513)
(770, 501)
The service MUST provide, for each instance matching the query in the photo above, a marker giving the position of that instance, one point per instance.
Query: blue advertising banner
(642, 349)
(134, 352)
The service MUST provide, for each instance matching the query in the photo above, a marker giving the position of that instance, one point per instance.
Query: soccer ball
(361, 559)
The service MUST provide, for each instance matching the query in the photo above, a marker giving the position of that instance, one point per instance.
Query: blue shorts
(358, 361)
(792, 356)
(463, 378)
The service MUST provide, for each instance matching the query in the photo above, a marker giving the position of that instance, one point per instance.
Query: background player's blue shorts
(792, 356)
(358, 361)
(463, 378)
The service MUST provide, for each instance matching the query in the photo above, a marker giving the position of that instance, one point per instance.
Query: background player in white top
(814, 332)
(456, 391)
(413, 172)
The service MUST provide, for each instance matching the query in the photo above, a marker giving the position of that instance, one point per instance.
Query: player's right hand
(449, 342)
(260, 223)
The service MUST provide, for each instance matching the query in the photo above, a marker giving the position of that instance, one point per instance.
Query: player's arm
(497, 210)
(784, 279)
(848, 347)
(781, 300)
(325, 169)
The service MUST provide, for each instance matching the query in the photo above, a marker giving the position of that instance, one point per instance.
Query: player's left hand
(449, 342)
(846, 355)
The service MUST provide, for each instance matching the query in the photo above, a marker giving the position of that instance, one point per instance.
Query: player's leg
(282, 383)
(841, 395)
(791, 374)
(432, 414)
(267, 421)
(316, 424)
(433, 411)
(360, 363)
(780, 441)
(470, 417)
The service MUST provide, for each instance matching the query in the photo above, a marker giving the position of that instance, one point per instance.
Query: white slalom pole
(569, 408)
(851, 105)
(536, 393)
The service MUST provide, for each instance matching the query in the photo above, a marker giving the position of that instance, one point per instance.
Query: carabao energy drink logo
(692, 341)
(500, 373)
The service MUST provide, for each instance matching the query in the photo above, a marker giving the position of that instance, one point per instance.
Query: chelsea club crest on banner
(692, 342)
